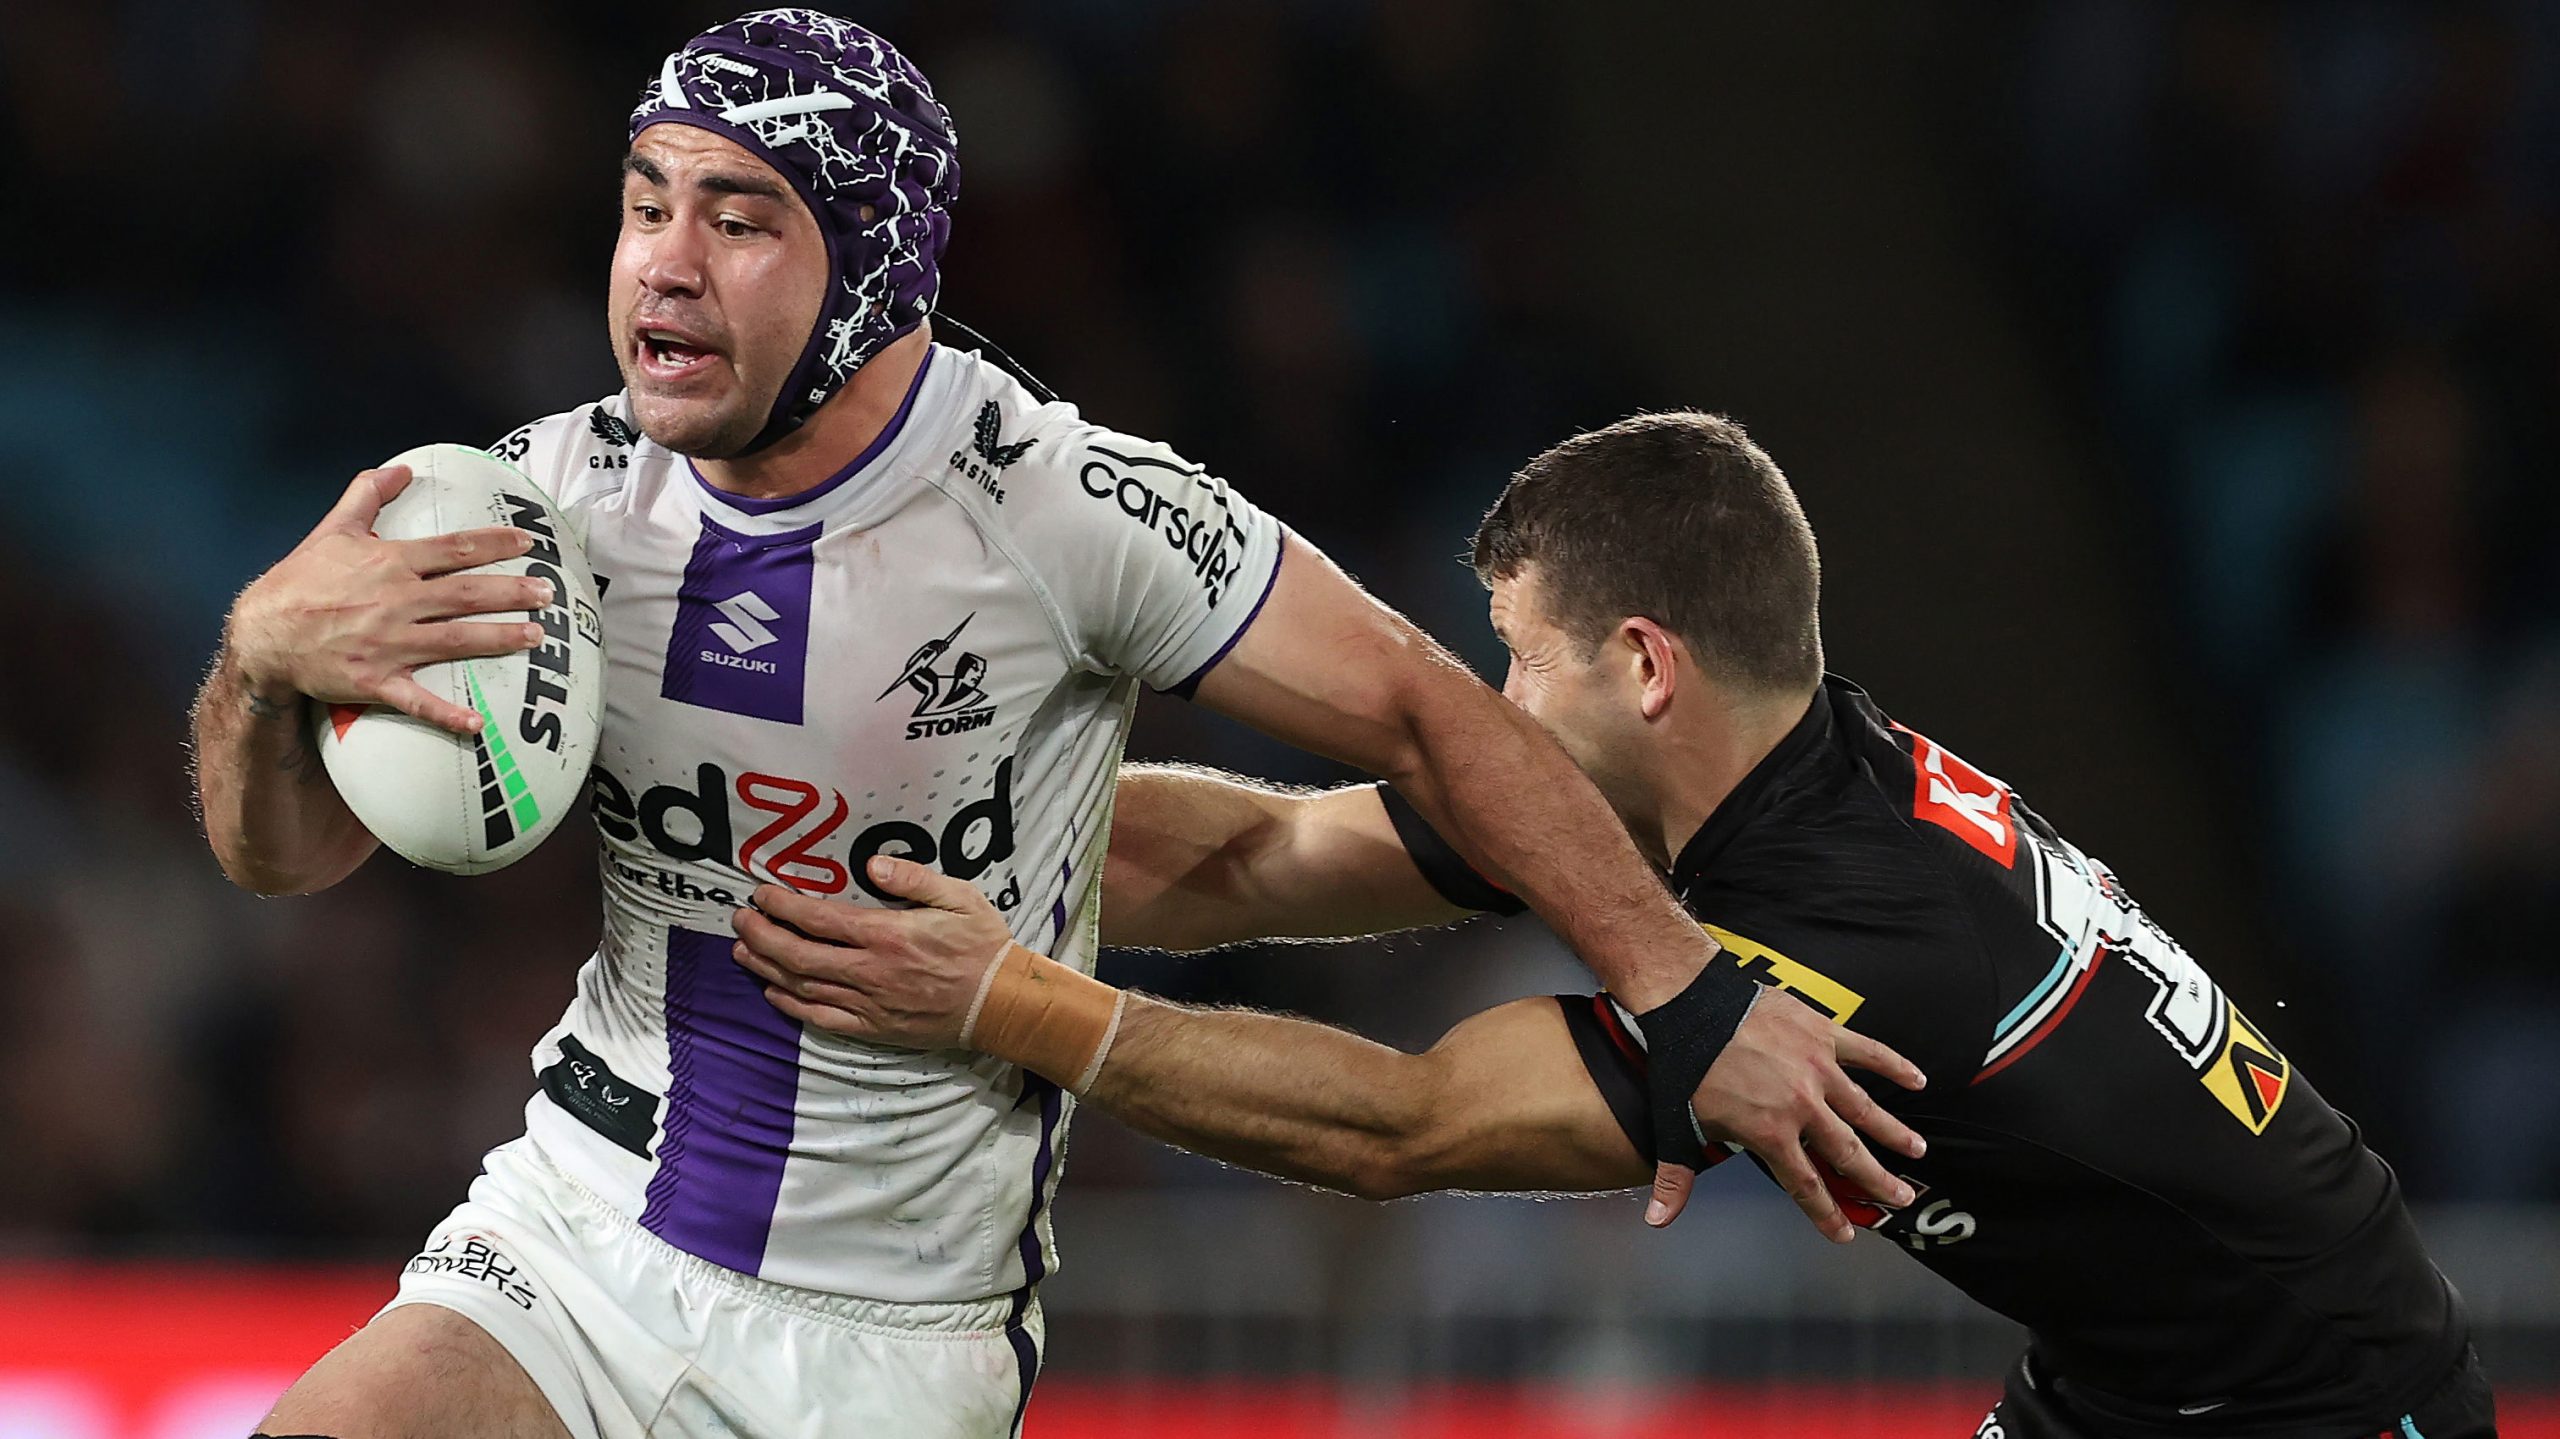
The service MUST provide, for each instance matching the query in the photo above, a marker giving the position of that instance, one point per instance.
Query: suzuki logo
(745, 629)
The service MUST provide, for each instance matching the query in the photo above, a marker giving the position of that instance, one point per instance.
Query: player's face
(717, 282)
(1575, 695)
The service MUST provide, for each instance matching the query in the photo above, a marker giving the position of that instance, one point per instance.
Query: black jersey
(2119, 1158)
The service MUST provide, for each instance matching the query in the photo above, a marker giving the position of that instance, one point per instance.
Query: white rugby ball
(471, 805)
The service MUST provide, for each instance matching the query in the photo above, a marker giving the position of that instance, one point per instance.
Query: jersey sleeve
(1155, 566)
(576, 453)
(1441, 864)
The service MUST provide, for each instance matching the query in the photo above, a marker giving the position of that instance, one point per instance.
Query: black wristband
(1682, 1038)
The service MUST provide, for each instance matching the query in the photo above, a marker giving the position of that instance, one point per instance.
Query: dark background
(2171, 385)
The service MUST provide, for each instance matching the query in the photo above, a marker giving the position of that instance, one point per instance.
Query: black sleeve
(1616, 1065)
(1441, 864)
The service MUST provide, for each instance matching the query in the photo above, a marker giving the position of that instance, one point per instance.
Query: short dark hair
(1677, 517)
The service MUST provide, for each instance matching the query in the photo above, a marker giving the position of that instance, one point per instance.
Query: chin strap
(996, 353)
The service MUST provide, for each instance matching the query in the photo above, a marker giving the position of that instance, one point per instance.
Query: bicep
(1199, 859)
(1326, 667)
(1517, 1108)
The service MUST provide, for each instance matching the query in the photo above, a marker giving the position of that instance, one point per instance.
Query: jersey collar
(797, 509)
(1752, 796)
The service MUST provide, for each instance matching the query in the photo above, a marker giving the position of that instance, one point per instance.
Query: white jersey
(934, 654)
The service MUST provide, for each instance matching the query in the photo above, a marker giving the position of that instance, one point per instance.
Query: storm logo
(951, 694)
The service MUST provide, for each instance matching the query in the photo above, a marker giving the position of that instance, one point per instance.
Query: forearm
(276, 824)
(1500, 1103)
(1504, 1101)
(1277, 1095)
(1201, 859)
(1332, 670)
(1499, 788)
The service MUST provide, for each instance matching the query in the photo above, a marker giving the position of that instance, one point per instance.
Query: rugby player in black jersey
(2118, 1158)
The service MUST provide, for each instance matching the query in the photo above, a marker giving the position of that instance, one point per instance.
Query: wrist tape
(1682, 1038)
(1055, 1021)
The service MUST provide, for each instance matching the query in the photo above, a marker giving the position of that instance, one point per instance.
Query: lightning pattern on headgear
(854, 126)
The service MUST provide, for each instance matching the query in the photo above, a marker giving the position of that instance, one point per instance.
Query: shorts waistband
(968, 1318)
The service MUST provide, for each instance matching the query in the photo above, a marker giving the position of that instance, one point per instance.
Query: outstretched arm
(1493, 1106)
(1501, 1102)
(1200, 859)
(1331, 670)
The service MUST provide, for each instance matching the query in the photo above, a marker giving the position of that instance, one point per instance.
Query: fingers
(1836, 1144)
(365, 496)
(466, 640)
(796, 983)
(1873, 1054)
(1794, 1171)
(403, 693)
(820, 919)
(464, 549)
(819, 1016)
(1860, 1108)
(1671, 1186)
(450, 596)
(791, 950)
(907, 879)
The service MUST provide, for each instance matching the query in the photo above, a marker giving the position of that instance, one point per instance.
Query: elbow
(1389, 1170)
(1407, 1151)
(1444, 709)
(260, 880)
(271, 880)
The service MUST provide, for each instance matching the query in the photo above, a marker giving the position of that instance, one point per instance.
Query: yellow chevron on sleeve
(1820, 990)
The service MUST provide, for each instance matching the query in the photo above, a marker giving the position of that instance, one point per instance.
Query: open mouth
(673, 356)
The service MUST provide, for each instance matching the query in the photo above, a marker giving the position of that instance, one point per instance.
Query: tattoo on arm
(300, 759)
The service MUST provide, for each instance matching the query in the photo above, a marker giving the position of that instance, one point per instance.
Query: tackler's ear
(1654, 658)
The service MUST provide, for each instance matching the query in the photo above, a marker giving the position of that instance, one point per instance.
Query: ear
(1653, 659)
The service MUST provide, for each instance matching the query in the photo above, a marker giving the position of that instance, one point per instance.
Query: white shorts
(630, 1337)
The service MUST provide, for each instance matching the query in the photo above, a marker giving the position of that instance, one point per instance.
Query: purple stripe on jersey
(1058, 906)
(1184, 689)
(740, 643)
(1026, 1355)
(879, 444)
(1046, 1093)
(733, 1065)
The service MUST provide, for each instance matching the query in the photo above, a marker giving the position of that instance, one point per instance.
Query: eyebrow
(717, 182)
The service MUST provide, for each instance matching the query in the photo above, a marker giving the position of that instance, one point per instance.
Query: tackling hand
(907, 977)
(347, 617)
(1779, 1090)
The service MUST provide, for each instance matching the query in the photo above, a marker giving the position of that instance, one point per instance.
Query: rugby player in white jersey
(866, 595)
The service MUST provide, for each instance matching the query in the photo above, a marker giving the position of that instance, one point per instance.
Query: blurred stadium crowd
(2310, 256)
(2298, 261)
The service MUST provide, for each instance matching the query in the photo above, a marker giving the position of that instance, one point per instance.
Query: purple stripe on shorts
(733, 1066)
(1026, 1355)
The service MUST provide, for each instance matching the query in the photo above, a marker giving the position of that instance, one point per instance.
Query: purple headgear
(841, 115)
